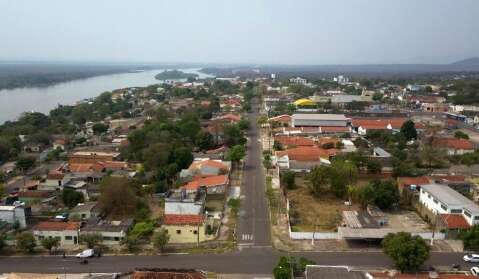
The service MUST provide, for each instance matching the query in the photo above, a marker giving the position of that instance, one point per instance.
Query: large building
(13, 214)
(441, 199)
(319, 120)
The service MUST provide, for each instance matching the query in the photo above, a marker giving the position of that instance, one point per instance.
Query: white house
(13, 214)
(66, 232)
(441, 199)
(298, 80)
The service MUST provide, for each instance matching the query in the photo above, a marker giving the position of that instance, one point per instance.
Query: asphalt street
(246, 261)
(253, 225)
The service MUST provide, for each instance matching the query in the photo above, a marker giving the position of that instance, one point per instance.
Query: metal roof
(450, 197)
(319, 116)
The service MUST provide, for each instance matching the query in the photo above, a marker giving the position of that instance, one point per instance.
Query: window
(178, 231)
(435, 201)
(195, 232)
(41, 237)
(68, 237)
(467, 214)
(444, 207)
(429, 196)
(116, 238)
(476, 218)
(456, 211)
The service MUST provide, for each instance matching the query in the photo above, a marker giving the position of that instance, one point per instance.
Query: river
(13, 102)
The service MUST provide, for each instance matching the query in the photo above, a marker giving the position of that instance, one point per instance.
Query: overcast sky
(241, 31)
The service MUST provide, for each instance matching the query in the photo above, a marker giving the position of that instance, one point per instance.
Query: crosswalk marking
(246, 237)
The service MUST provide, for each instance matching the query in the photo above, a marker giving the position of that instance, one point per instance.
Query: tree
(90, 239)
(99, 128)
(470, 238)
(233, 135)
(160, 239)
(26, 242)
(236, 153)
(374, 166)
(407, 252)
(234, 205)
(383, 194)
(431, 155)
(243, 124)
(318, 179)
(377, 96)
(288, 178)
(341, 174)
(408, 130)
(50, 242)
(117, 198)
(204, 140)
(25, 163)
(71, 197)
(283, 269)
(2, 190)
(142, 230)
(461, 135)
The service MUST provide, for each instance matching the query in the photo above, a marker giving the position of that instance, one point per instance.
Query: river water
(13, 102)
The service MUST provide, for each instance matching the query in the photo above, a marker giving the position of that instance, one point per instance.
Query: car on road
(472, 258)
(88, 253)
(475, 271)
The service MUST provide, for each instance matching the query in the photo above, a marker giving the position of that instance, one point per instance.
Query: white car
(88, 253)
(475, 271)
(472, 258)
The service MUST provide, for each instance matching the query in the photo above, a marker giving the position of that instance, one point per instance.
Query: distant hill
(175, 74)
(474, 61)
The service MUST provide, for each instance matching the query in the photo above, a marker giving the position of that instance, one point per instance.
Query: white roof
(450, 197)
(7, 207)
(319, 116)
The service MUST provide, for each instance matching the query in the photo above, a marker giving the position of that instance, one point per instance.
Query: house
(332, 272)
(455, 146)
(91, 157)
(163, 273)
(112, 232)
(363, 125)
(184, 228)
(180, 202)
(283, 120)
(227, 118)
(298, 80)
(303, 158)
(293, 141)
(319, 120)
(86, 210)
(56, 179)
(311, 131)
(66, 232)
(34, 196)
(412, 183)
(442, 199)
(215, 184)
(206, 167)
(59, 144)
(13, 214)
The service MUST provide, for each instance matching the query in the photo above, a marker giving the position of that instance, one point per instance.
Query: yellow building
(304, 102)
(185, 228)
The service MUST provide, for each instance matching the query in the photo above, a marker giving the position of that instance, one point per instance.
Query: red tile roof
(57, 226)
(209, 181)
(333, 129)
(454, 143)
(179, 219)
(307, 153)
(454, 221)
(168, 274)
(55, 174)
(294, 141)
(408, 181)
(382, 123)
(229, 116)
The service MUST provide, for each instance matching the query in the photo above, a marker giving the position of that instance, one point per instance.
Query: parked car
(472, 258)
(475, 271)
(88, 253)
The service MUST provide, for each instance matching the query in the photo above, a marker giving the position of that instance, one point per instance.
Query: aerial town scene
(239, 139)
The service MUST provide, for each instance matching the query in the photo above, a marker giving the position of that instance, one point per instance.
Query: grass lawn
(312, 213)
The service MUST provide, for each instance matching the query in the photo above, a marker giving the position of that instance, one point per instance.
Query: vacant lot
(215, 203)
(311, 213)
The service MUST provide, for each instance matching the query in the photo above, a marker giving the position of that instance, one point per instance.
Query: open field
(312, 213)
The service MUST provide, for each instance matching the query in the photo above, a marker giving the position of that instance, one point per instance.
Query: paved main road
(253, 225)
(247, 261)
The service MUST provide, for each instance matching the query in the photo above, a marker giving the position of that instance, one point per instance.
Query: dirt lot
(215, 203)
(312, 213)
